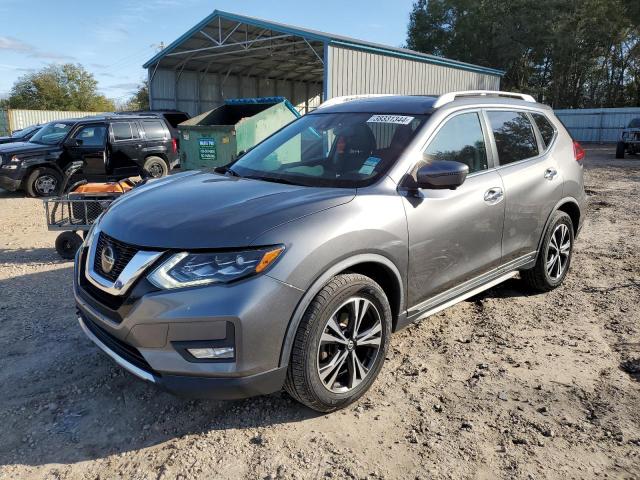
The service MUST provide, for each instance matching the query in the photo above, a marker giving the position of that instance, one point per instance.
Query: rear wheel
(620, 148)
(156, 167)
(43, 182)
(341, 343)
(554, 257)
(67, 244)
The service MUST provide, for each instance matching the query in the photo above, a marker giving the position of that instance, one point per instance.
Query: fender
(557, 206)
(321, 281)
(29, 163)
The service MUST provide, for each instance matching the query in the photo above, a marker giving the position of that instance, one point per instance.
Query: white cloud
(10, 44)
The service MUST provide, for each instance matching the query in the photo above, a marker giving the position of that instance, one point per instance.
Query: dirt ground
(506, 385)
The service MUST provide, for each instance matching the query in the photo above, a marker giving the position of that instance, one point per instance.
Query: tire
(311, 359)
(156, 167)
(620, 148)
(43, 182)
(67, 244)
(541, 277)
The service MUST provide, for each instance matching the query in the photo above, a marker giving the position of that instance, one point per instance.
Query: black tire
(303, 381)
(43, 182)
(539, 278)
(67, 244)
(620, 148)
(156, 167)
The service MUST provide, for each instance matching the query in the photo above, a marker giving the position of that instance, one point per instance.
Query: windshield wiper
(274, 180)
(224, 169)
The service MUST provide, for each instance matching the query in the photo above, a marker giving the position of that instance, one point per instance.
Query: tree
(140, 99)
(568, 53)
(59, 87)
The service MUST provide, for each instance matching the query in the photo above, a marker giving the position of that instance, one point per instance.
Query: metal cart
(74, 212)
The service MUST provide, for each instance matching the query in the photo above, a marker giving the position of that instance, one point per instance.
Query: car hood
(197, 210)
(17, 148)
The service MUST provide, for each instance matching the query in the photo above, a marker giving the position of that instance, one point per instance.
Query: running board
(464, 296)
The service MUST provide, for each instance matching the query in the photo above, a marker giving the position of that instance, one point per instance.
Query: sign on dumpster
(207, 149)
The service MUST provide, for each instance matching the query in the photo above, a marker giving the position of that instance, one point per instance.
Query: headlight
(191, 269)
(15, 159)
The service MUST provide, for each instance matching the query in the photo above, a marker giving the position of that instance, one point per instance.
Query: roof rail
(349, 98)
(451, 96)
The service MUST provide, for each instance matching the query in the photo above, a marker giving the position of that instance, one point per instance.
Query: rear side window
(547, 130)
(514, 136)
(460, 139)
(153, 129)
(124, 131)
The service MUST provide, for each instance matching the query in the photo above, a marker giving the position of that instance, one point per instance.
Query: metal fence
(13, 119)
(597, 125)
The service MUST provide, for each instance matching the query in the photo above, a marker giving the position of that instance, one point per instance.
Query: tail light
(174, 145)
(578, 151)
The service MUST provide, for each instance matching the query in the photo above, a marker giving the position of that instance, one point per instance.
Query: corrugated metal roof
(318, 36)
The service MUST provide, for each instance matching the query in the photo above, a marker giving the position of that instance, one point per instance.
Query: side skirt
(464, 291)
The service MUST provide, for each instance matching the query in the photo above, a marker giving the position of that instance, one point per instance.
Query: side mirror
(75, 142)
(442, 174)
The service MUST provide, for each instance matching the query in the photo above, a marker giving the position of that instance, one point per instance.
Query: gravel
(506, 385)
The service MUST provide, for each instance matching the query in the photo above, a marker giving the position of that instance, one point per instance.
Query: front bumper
(143, 334)
(9, 183)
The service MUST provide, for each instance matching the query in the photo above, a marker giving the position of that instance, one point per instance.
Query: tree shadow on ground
(63, 401)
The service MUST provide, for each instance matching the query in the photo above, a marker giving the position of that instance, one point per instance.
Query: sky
(113, 38)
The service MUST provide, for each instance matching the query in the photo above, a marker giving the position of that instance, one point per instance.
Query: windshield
(24, 132)
(331, 149)
(52, 133)
(635, 123)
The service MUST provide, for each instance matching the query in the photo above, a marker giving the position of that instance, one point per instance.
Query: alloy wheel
(46, 184)
(349, 345)
(558, 251)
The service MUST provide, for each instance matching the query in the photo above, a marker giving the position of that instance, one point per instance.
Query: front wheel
(554, 257)
(620, 148)
(341, 343)
(43, 182)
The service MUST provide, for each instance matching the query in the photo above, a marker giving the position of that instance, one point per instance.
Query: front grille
(124, 350)
(123, 254)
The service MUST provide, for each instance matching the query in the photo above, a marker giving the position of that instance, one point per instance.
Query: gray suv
(292, 266)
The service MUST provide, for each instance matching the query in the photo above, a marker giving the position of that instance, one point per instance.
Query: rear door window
(124, 131)
(514, 136)
(460, 139)
(154, 129)
(547, 130)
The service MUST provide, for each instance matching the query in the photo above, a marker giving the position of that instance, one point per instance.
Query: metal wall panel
(195, 92)
(17, 119)
(597, 125)
(353, 72)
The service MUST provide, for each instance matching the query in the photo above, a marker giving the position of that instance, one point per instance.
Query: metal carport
(229, 56)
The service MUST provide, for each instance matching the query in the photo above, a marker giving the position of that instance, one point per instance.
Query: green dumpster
(215, 138)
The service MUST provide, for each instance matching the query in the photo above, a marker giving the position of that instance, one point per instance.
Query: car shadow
(62, 400)
(30, 255)
(511, 288)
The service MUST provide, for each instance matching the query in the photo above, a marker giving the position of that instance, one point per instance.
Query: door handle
(493, 195)
(550, 173)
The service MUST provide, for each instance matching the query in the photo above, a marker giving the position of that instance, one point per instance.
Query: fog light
(209, 352)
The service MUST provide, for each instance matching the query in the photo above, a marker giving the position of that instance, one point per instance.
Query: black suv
(22, 135)
(111, 147)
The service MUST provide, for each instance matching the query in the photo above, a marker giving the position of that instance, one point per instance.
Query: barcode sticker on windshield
(397, 119)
